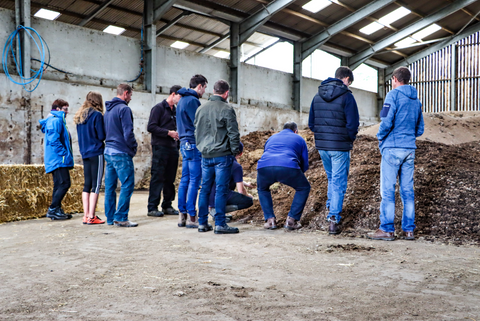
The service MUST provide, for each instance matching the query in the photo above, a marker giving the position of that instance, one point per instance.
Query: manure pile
(447, 198)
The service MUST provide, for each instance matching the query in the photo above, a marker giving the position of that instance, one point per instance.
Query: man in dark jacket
(284, 160)
(120, 148)
(218, 139)
(163, 127)
(334, 120)
(191, 157)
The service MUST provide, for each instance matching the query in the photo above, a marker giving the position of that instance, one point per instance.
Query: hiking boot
(56, 214)
(270, 224)
(125, 224)
(182, 219)
(231, 208)
(409, 236)
(213, 212)
(95, 220)
(191, 222)
(334, 228)
(170, 211)
(155, 213)
(381, 235)
(69, 216)
(225, 229)
(205, 228)
(292, 224)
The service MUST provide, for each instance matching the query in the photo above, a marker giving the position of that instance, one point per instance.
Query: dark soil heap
(447, 198)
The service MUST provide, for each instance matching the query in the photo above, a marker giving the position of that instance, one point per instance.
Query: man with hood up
(402, 123)
(120, 148)
(334, 120)
(191, 157)
(58, 156)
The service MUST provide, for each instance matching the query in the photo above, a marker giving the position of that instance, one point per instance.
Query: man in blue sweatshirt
(334, 120)
(120, 148)
(191, 157)
(284, 160)
(402, 123)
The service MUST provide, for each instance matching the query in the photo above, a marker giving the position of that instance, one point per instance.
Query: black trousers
(61, 184)
(164, 170)
(93, 173)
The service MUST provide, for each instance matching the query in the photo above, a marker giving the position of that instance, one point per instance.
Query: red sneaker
(95, 220)
(85, 219)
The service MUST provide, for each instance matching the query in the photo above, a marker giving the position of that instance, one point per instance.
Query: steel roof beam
(216, 42)
(360, 57)
(95, 13)
(171, 23)
(161, 7)
(434, 48)
(311, 44)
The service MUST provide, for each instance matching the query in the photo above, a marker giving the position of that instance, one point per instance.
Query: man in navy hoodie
(191, 157)
(402, 123)
(120, 148)
(334, 120)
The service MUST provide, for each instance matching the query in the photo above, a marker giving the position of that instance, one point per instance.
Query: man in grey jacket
(218, 140)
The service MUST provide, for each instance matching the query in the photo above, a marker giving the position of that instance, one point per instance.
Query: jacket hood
(187, 92)
(408, 91)
(114, 102)
(56, 113)
(331, 89)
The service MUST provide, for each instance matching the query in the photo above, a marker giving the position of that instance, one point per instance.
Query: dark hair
(174, 89)
(240, 148)
(343, 72)
(198, 80)
(59, 103)
(291, 125)
(402, 74)
(123, 88)
(221, 87)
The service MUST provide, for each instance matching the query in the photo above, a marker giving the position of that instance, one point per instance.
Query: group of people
(208, 138)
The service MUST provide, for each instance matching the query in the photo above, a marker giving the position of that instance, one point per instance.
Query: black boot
(56, 214)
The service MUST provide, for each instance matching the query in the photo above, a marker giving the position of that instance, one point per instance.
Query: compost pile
(447, 198)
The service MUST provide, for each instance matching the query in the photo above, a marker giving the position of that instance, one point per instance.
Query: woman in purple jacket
(91, 136)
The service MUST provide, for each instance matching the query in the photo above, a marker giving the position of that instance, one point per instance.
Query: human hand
(173, 134)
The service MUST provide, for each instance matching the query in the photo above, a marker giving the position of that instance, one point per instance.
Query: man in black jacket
(334, 120)
(163, 127)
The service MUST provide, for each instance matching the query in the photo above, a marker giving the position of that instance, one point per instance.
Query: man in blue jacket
(284, 160)
(120, 148)
(58, 156)
(191, 157)
(334, 120)
(402, 123)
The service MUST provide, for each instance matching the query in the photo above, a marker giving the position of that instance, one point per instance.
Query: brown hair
(221, 87)
(93, 101)
(402, 74)
(59, 103)
(123, 88)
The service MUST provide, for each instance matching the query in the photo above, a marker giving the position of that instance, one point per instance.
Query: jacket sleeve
(311, 117)
(352, 116)
(420, 127)
(126, 118)
(232, 130)
(387, 122)
(304, 164)
(191, 109)
(100, 127)
(153, 126)
(52, 136)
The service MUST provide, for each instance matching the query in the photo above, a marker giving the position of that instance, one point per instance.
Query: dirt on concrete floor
(63, 270)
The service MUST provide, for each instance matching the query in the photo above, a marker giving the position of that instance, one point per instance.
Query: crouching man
(284, 160)
(402, 122)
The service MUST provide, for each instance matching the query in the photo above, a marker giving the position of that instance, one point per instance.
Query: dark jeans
(292, 177)
(61, 184)
(242, 201)
(164, 170)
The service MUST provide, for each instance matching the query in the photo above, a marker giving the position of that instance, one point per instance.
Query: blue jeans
(337, 166)
(397, 162)
(119, 167)
(216, 170)
(292, 177)
(191, 178)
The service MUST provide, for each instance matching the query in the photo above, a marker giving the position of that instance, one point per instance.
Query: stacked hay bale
(26, 192)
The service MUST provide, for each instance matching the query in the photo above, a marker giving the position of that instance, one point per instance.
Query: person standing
(401, 123)
(284, 160)
(120, 148)
(334, 120)
(91, 136)
(218, 139)
(191, 157)
(163, 127)
(58, 156)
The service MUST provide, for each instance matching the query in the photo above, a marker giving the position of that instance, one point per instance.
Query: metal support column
(297, 76)
(150, 49)
(380, 90)
(453, 81)
(235, 62)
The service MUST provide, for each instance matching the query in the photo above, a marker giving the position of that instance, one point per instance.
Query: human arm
(241, 189)
(387, 116)
(156, 114)
(311, 117)
(237, 176)
(232, 131)
(52, 136)
(304, 162)
(420, 127)
(351, 115)
(99, 127)
(126, 118)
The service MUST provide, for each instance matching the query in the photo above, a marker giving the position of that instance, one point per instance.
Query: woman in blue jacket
(91, 136)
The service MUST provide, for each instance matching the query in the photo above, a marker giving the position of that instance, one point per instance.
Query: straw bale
(26, 192)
